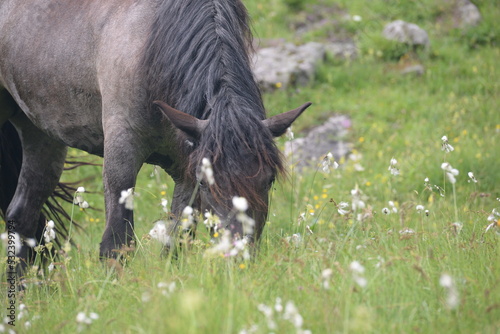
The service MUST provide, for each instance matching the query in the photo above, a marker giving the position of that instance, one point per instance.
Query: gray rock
(467, 14)
(342, 50)
(404, 32)
(414, 69)
(287, 65)
(328, 137)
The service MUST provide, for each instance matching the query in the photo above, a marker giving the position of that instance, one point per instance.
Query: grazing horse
(166, 82)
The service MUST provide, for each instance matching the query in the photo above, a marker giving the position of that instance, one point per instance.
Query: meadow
(414, 250)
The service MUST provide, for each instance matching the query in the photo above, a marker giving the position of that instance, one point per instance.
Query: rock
(328, 137)
(467, 14)
(342, 50)
(287, 65)
(413, 69)
(404, 32)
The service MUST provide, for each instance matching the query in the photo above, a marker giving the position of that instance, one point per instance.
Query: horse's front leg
(123, 158)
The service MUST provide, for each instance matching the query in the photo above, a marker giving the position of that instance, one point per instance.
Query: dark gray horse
(91, 74)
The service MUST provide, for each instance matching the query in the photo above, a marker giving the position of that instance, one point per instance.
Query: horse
(164, 82)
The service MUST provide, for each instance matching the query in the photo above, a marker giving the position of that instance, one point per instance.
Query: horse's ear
(279, 123)
(185, 122)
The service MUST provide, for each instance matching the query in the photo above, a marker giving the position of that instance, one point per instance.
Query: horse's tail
(11, 157)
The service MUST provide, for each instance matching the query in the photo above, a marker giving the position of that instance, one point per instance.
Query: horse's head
(231, 166)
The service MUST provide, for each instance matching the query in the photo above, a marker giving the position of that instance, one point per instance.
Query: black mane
(197, 61)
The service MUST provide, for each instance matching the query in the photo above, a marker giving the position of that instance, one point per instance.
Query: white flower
(427, 212)
(159, 232)
(445, 146)
(50, 232)
(472, 177)
(80, 190)
(386, 211)
(357, 273)
(450, 172)
(357, 202)
(30, 242)
(292, 314)
(341, 208)
(329, 162)
(326, 274)
(356, 18)
(207, 171)
(452, 298)
(164, 205)
(357, 267)
(419, 208)
(240, 203)
(289, 133)
(392, 167)
(167, 289)
(407, 231)
(127, 198)
(187, 217)
(494, 219)
(393, 206)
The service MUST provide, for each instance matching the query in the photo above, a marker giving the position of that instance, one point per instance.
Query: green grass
(393, 116)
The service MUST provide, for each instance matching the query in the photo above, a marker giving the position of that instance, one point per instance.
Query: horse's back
(64, 59)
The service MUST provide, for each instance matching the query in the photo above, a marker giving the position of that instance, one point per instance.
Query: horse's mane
(197, 61)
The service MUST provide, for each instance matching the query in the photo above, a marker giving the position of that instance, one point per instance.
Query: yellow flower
(279, 84)
(163, 193)
(242, 266)
(361, 139)
(216, 234)
(324, 195)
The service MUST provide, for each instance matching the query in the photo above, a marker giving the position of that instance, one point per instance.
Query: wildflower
(392, 167)
(166, 289)
(207, 171)
(445, 146)
(187, 217)
(326, 275)
(50, 232)
(278, 307)
(30, 242)
(357, 199)
(127, 198)
(393, 206)
(164, 205)
(160, 233)
(292, 314)
(452, 299)
(356, 18)
(268, 313)
(84, 320)
(472, 177)
(211, 220)
(240, 203)
(289, 133)
(494, 219)
(329, 162)
(427, 212)
(341, 208)
(78, 200)
(386, 211)
(407, 231)
(295, 239)
(51, 267)
(357, 270)
(450, 172)
(419, 208)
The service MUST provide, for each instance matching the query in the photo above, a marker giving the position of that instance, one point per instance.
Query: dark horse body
(85, 74)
